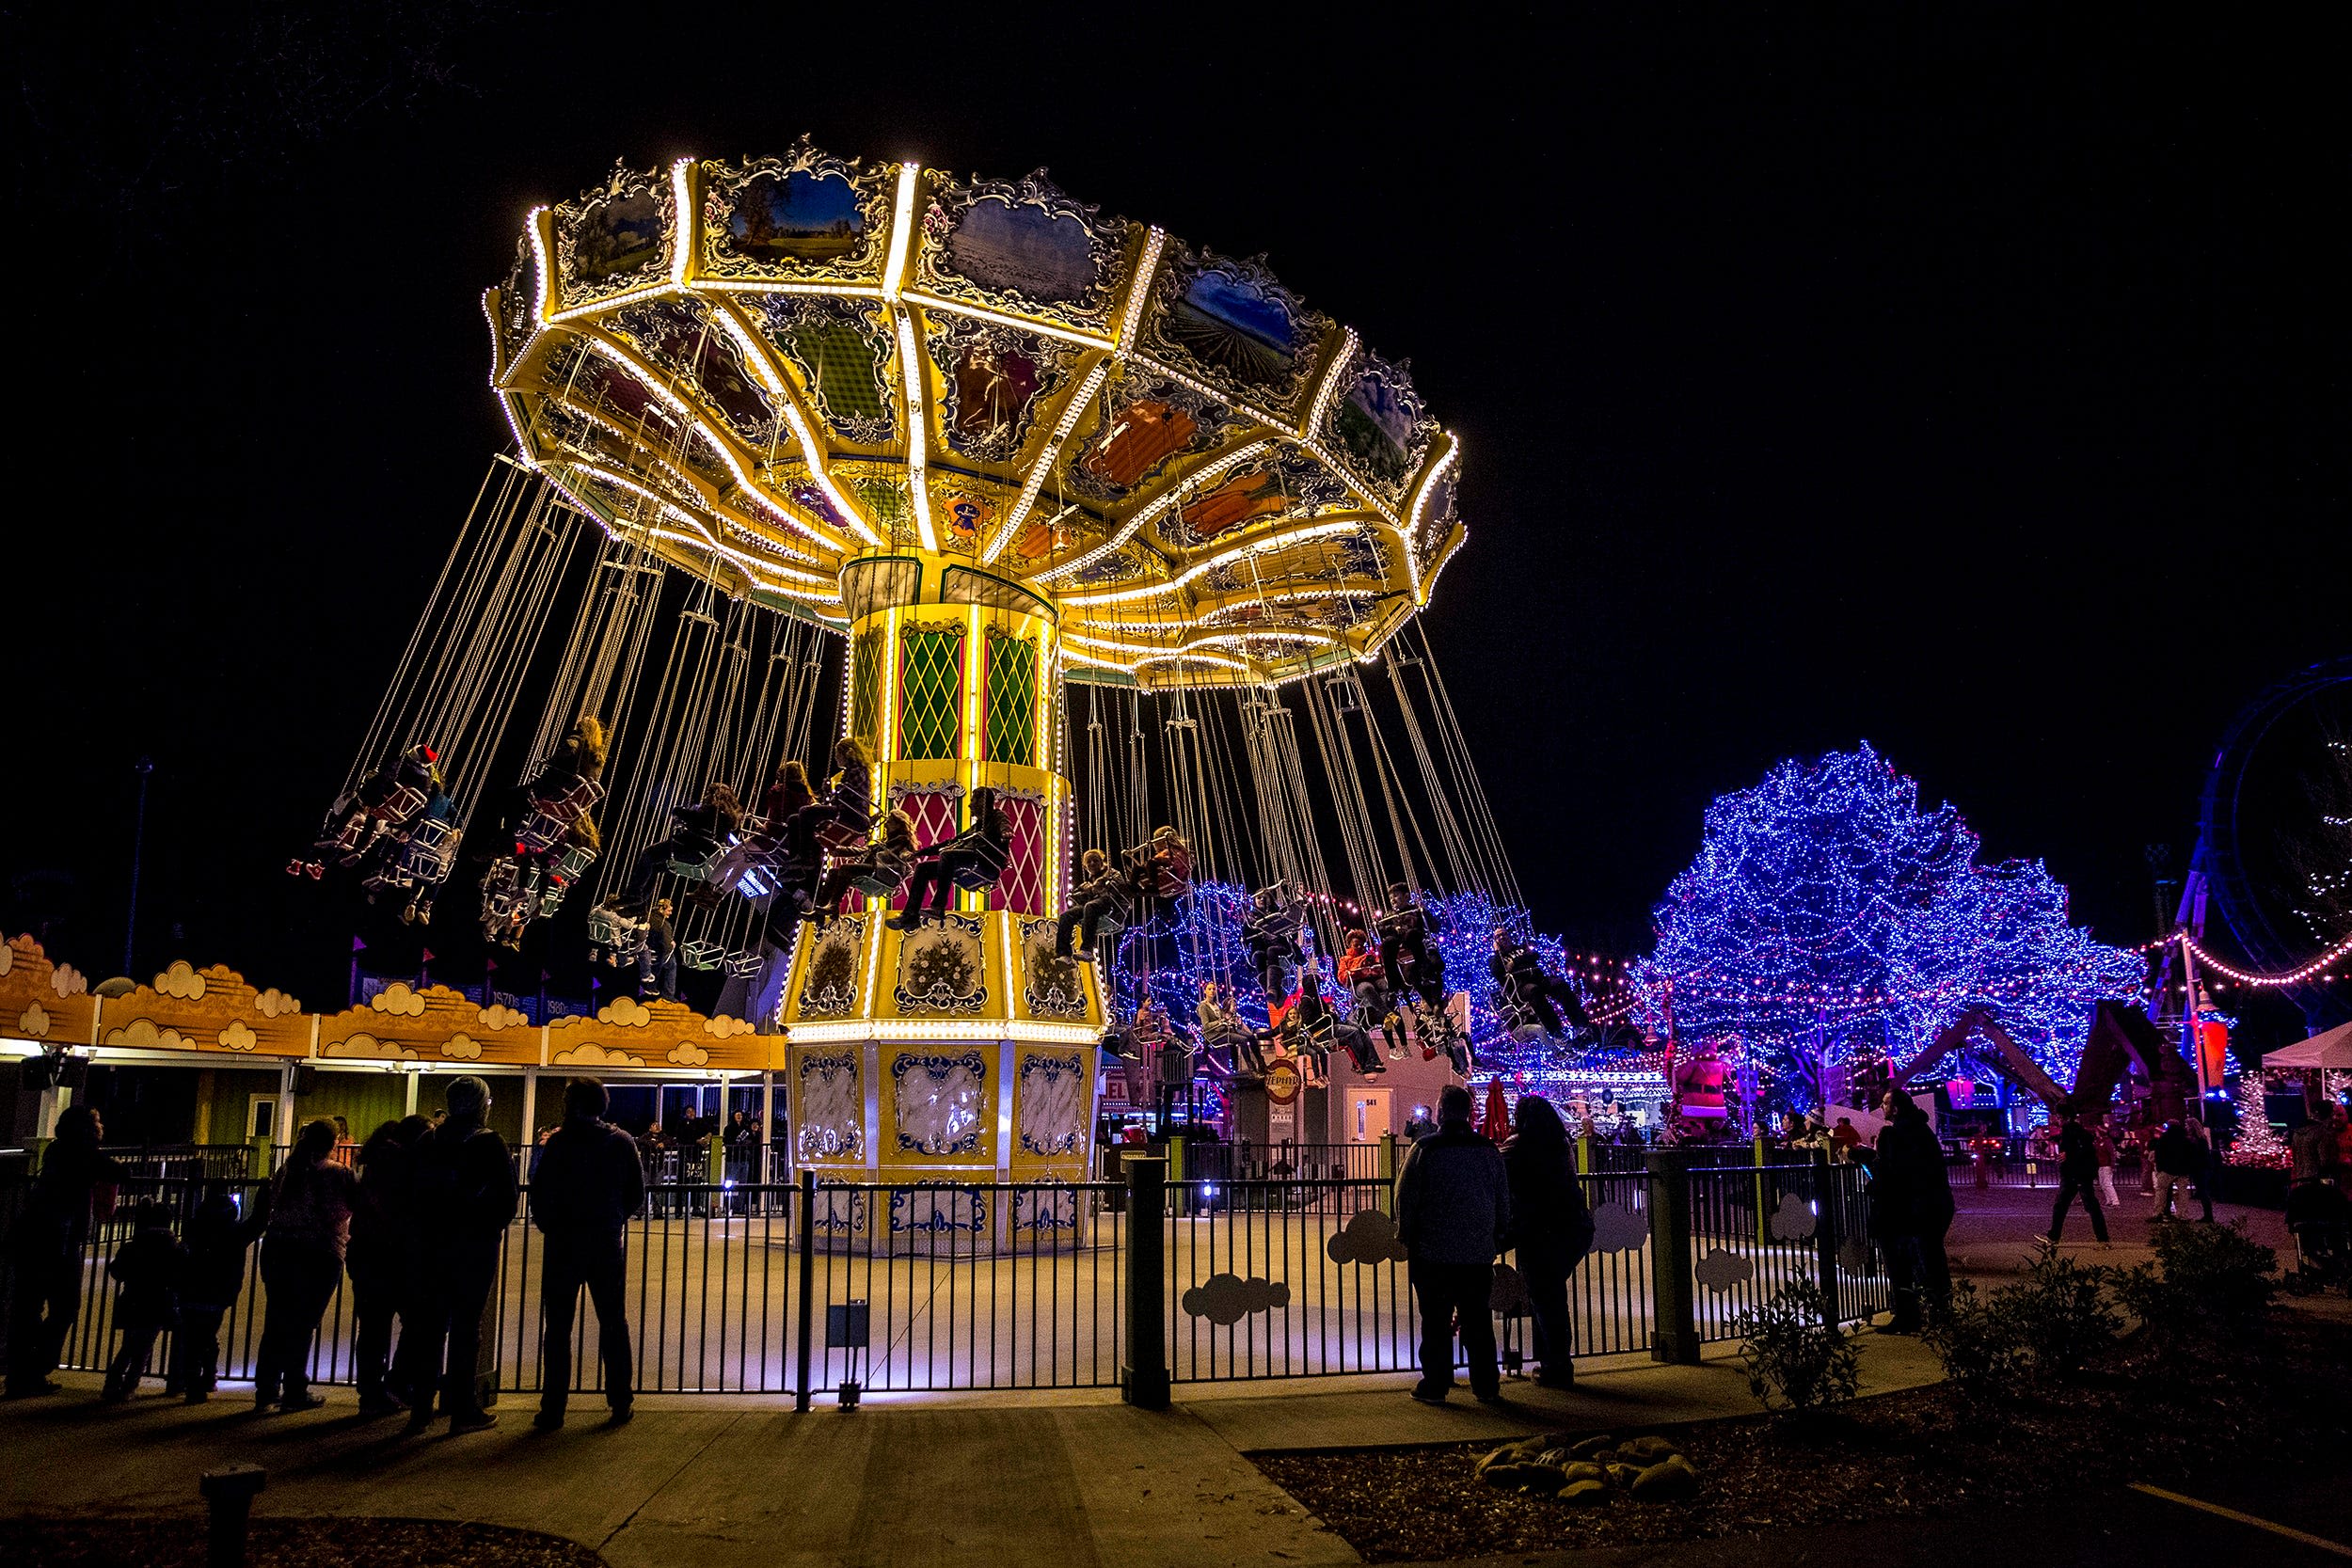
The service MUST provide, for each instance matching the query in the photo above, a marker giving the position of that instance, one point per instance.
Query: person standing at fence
(302, 1262)
(378, 1259)
(147, 1273)
(585, 1189)
(464, 1199)
(1453, 1210)
(1911, 1207)
(2176, 1163)
(2078, 1174)
(218, 1238)
(77, 1184)
(1551, 1229)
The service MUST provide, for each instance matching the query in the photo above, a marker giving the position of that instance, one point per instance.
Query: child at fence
(218, 1238)
(146, 1273)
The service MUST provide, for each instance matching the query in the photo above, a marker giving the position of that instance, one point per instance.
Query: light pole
(143, 768)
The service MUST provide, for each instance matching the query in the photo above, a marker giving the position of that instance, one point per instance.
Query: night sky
(1974, 387)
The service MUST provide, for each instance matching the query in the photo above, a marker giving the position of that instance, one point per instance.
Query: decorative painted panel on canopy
(769, 368)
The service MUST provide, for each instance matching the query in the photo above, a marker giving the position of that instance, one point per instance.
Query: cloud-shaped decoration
(1370, 1238)
(1225, 1299)
(1721, 1269)
(624, 1011)
(141, 1034)
(66, 981)
(33, 1023)
(1619, 1228)
(274, 1003)
(687, 1053)
(1793, 1220)
(180, 980)
(8, 954)
(721, 1027)
(462, 1048)
(398, 1000)
(499, 1016)
(366, 1045)
(239, 1036)
(591, 1054)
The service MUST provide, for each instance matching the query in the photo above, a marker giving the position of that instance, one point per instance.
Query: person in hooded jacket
(587, 1185)
(463, 1198)
(77, 1184)
(302, 1262)
(218, 1239)
(1912, 1209)
(1551, 1229)
(1453, 1211)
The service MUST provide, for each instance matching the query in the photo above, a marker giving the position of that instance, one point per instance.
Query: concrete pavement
(1074, 1478)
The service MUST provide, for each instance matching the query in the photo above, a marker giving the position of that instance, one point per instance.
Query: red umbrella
(1497, 1123)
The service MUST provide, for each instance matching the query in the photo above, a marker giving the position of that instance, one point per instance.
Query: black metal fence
(777, 1287)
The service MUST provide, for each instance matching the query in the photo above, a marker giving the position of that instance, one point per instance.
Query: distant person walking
(218, 1239)
(77, 1182)
(302, 1262)
(1453, 1210)
(147, 1272)
(586, 1187)
(2207, 1154)
(464, 1199)
(378, 1258)
(1911, 1203)
(2078, 1176)
(2103, 1141)
(2177, 1162)
(1551, 1229)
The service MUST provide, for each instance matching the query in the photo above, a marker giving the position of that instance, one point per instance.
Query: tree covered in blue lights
(1825, 899)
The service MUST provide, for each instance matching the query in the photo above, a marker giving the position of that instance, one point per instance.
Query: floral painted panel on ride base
(829, 989)
(1052, 987)
(828, 1109)
(942, 970)
(936, 1101)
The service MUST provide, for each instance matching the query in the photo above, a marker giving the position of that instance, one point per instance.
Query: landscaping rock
(1644, 1451)
(1622, 1474)
(1582, 1494)
(1590, 1447)
(1672, 1480)
(1584, 1470)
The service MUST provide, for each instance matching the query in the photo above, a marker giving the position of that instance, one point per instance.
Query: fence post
(1143, 1362)
(1826, 1234)
(1763, 1226)
(1387, 1174)
(808, 1285)
(1674, 1330)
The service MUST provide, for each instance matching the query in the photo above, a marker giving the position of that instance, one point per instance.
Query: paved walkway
(1998, 1229)
(1075, 1479)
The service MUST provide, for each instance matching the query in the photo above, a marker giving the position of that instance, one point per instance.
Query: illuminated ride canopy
(768, 370)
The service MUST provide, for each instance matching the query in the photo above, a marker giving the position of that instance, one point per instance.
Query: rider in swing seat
(977, 851)
(883, 865)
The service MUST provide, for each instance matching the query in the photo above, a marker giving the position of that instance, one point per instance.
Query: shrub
(2207, 1281)
(1795, 1362)
(1977, 1340)
(2060, 1316)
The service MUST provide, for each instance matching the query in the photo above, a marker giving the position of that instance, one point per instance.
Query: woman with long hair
(1552, 1227)
(302, 1262)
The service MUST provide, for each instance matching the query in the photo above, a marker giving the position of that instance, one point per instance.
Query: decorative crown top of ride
(774, 371)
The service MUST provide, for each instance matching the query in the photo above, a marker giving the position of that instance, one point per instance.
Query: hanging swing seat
(982, 875)
(427, 855)
(742, 966)
(608, 927)
(877, 882)
(841, 839)
(566, 797)
(701, 954)
(697, 867)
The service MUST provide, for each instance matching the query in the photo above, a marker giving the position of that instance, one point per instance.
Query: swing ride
(1103, 521)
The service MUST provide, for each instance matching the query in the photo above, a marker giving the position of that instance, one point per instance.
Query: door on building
(1367, 1113)
(260, 1117)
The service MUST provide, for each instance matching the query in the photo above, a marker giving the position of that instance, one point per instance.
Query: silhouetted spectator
(378, 1259)
(464, 1199)
(1911, 1207)
(585, 1189)
(218, 1240)
(77, 1184)
(146, 1273)
(302, 1262)
(1551, 1229)
(2078, 1174)
(1453, 1210)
